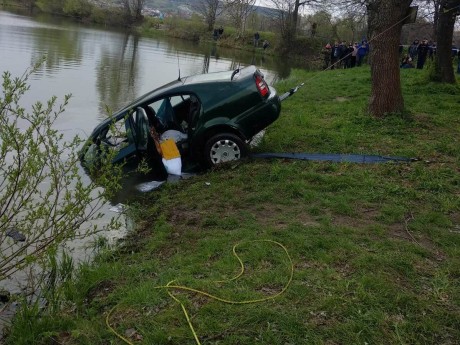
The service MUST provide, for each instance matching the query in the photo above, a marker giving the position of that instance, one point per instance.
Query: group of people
(265, 43)
(418, 52)
(343, 55)
(218, 32)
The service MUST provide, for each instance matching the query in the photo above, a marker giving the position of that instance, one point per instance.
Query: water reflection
(62, 48)
(117, 72)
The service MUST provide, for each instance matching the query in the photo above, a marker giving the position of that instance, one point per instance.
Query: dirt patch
(304, 263)
(62, 338)
(183, 216)
(281, 218)
(424, 121)
(365, 220)
(401, 231)
(343, 269)
(455, 219)
(101, 290)
(321, 319)
(341, 99)
(350, 222)
(134, 242)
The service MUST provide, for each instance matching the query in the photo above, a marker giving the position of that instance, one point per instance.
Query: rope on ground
(169, 287)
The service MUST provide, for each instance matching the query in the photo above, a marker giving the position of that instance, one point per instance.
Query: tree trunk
(443, 69)
(211, 20)
(295, 18)
(436, 5)
(385, 24)
(292, 19)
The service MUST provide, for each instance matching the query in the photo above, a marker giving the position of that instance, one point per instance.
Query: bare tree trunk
(209, 9)
(238, 11)
(295, 17)
(443, 69)
(385, 25)
(436, 5)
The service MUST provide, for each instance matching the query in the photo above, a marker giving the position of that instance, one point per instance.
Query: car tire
(224, 147)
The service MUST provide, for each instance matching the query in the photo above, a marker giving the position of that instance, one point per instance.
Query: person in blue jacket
(363, 49)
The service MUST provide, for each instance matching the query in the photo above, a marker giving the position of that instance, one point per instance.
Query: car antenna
(178, 66)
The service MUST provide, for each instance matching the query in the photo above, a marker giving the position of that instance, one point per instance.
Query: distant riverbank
(187, 29)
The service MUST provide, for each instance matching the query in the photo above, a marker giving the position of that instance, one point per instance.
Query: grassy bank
(195, 30)
(375, 248)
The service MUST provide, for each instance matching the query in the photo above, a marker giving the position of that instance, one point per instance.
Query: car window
(118, 132)
(165, 112)
(174, 112)
(176, 100)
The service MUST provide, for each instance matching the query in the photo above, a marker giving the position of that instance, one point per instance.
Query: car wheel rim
(224, 151)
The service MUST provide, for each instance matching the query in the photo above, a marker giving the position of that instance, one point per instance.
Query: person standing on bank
(327, 55)
(413, 49)
(335, 55)
(256, 39)
(422, 52)
(353, 54)
(347, 58)
(363, 49)
(265, 45)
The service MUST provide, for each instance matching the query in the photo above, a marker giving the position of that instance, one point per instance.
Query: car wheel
(223, 148)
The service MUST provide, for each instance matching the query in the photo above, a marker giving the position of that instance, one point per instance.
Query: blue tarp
(351, 158)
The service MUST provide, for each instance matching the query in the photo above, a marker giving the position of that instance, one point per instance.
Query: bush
(187, 29)
(78, 8)
(303, 46)
(44, 200)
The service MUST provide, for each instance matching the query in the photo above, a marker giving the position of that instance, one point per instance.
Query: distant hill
(173, 5)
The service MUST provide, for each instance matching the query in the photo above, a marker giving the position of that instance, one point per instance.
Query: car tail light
(262, 85)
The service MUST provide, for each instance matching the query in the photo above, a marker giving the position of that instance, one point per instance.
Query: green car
(211, 117)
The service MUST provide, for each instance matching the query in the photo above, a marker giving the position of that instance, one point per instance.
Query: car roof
(181, 85)
(213, 77)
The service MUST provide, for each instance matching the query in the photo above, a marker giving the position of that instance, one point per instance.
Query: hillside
(174, 6)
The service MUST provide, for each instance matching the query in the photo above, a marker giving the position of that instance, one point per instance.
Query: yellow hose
(169, 287)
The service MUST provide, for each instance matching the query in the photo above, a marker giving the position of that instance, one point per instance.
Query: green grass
(376, 248)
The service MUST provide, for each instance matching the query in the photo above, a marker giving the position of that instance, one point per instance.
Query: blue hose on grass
(331, 157)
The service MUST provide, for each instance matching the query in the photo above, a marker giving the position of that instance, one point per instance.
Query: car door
(126, 129)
